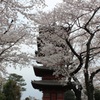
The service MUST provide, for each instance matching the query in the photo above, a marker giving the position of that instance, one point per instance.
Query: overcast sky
(28, 73)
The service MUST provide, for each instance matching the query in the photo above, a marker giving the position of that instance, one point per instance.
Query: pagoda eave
(47, 84)
(42, 71)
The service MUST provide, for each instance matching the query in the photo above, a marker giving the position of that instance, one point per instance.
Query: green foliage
(69, 95)
(97, 94)
(12, 88)
(19, 79)
(2, 96)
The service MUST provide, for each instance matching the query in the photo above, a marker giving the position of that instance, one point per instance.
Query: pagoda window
(60, 96)
(46, 94)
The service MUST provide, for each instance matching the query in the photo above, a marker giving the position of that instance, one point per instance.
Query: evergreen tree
(2, 96)
(19, 79)
(12, 90)
(69, 95)
(13, 87)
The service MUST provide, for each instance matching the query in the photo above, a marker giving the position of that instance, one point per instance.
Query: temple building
(51, 88)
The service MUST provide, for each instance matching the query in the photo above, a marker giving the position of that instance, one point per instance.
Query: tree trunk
(78, 94)
(76, 89)
(89, 87)
(90, 92)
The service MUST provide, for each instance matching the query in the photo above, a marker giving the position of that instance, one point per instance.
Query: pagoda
(51, 88)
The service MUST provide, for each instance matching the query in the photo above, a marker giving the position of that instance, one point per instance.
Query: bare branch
(3, 51)
(95, 11)
(88, 51)
(8, 27)
(93, 74)
(78, 56)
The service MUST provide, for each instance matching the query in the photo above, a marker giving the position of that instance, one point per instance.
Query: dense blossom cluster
(15, 29)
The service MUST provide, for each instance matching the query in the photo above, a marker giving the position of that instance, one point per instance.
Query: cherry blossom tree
(15, 29)
(69, 43)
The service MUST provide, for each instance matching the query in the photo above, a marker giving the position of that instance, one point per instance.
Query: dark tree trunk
(77, 94)
(77, 90)
(90, 92)
(89, 86)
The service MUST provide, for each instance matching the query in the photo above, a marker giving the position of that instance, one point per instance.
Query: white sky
(51, 3)
(28, 73)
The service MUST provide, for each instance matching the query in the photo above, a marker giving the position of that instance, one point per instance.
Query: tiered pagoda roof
(48, 84)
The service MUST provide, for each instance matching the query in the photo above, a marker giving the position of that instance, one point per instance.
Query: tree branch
(88, 51)
(93, 74)
(78, 56)
(92, 16)
(85, 27)
(8, 27)
(11, 45)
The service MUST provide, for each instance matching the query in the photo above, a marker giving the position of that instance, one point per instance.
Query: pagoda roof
(42, 71)
(42, 67)
(48, 84)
